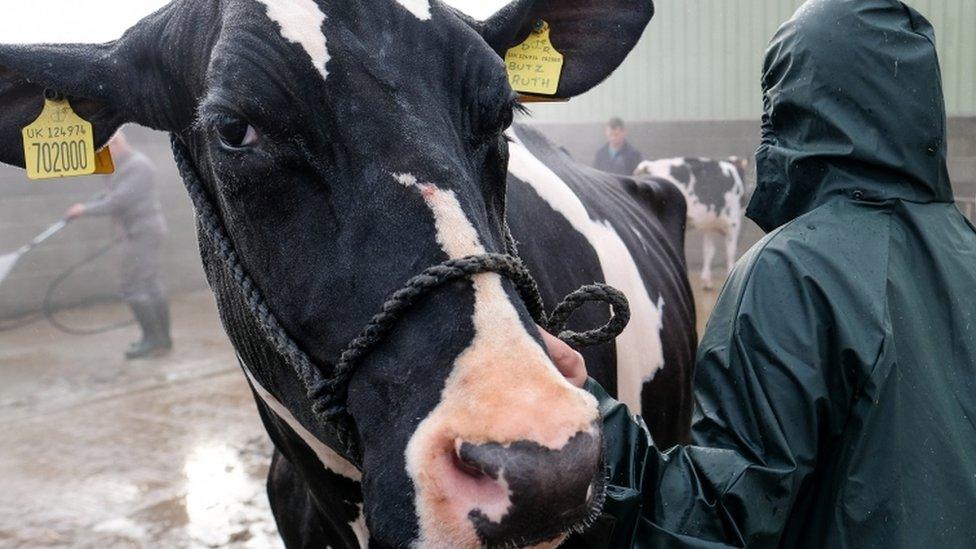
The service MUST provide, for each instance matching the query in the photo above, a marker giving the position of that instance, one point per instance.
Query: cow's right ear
(106, 84)
(594, 36)
(73, 70)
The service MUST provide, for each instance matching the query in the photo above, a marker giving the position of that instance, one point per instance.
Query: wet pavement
(101, 452)
(705, 299)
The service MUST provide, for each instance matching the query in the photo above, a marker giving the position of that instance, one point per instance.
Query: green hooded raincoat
(836, 382)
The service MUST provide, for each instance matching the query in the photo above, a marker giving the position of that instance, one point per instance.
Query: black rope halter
(328, 392)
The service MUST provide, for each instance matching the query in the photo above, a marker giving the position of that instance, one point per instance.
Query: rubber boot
(142, 313)
(161, 307)
(150, 344)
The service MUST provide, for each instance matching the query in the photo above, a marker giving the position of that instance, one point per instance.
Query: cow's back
(714, 189)
(575, 226)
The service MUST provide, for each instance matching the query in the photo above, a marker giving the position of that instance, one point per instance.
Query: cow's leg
(708, 255)
(731, 245)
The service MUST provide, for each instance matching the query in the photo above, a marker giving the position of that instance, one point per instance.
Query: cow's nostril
(483, 460)
(472, 469)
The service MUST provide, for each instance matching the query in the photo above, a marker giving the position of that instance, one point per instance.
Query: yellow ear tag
(59, 143)
(534, 66)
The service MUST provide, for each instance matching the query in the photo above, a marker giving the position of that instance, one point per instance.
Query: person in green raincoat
(836, 381)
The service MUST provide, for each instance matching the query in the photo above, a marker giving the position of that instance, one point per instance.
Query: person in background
(617, 156)
(133, 204)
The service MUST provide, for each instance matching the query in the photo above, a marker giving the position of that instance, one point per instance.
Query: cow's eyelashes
(506, 119)
(494, 124)
(235, 133)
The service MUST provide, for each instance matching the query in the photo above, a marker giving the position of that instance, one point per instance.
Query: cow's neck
(334, 484)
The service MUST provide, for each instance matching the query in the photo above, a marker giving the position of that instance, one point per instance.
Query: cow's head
(347, 145)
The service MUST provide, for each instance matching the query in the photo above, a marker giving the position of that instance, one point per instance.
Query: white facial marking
(455, 233)
(503, 370)
(329, 458)
(639, 351)
(420, 8)
(301, 22)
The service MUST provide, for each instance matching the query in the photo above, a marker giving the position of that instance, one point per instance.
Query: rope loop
(620, 316)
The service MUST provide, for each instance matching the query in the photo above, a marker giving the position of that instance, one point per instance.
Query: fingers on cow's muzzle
(550, 491)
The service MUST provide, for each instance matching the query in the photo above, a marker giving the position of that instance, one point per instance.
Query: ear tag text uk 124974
(534, 66)
(59, 143)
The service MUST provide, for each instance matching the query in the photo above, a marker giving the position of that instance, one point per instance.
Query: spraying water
(7, 261)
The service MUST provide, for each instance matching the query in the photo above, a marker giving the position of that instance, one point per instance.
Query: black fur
(711, 183)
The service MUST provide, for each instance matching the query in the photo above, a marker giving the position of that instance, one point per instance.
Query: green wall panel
(701, 60)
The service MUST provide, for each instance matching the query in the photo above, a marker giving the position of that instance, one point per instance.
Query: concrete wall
(718, 138)
(28, 207)
(702, 59)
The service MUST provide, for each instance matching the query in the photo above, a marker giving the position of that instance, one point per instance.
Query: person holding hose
(836, 380)
(133, 203)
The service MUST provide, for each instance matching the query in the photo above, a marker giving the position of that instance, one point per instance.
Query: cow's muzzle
(530, 493)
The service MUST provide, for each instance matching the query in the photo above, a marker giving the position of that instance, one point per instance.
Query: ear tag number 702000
(59, 143)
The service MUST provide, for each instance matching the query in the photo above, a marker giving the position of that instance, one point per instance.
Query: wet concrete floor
(99, 452)
(96, 451)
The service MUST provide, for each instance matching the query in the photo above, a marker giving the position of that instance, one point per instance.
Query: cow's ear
(75, 71)
(106, 84)
(594, 36)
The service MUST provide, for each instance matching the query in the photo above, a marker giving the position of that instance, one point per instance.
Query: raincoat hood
(853, 105)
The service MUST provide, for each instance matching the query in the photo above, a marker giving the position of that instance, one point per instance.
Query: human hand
(569, 362)
(75, 211)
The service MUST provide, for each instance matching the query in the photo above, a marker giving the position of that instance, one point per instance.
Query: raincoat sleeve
(769, 391)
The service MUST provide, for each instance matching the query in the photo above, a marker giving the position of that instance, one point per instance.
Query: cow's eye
(235, 133)
(491, 125)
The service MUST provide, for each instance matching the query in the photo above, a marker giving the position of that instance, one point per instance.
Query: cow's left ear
(106, 84)
(594, 36)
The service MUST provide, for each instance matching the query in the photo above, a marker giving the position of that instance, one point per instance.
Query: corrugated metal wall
(701, 60)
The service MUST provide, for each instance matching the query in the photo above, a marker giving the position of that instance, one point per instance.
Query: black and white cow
(715, 191)
(578, 224)
(336, 149)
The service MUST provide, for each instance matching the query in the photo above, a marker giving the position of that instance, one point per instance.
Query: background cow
(334, 150)
(715, 191)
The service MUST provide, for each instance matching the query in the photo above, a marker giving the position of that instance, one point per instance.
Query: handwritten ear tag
(534, 66)
(59, 143)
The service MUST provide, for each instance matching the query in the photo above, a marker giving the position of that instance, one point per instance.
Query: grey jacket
(131, 197)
